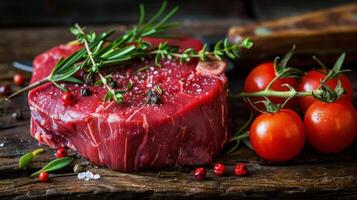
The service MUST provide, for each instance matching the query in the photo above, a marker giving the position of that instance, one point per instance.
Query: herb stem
(29, 87)
(274, 93)
(96, 55)
(90, 53)
(104, 81)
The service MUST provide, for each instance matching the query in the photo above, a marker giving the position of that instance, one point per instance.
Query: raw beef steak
(187, 126)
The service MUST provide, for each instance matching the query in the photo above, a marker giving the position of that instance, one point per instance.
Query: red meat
(187, 127)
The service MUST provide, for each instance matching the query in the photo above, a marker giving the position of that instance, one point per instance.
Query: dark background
(19, 13)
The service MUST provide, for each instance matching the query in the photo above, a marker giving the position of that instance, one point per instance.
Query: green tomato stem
(274, 93)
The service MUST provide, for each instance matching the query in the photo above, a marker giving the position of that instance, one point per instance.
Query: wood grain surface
(324, 33)
(310, 175)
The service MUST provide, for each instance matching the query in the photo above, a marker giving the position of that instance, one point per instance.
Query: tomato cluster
(330, 126)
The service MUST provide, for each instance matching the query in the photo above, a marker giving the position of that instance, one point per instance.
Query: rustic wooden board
(324, 33)
(312, 174)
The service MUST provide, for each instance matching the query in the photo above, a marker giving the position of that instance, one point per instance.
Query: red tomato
(312, 80)
(259, 78)
(331, 127)
(277, 136)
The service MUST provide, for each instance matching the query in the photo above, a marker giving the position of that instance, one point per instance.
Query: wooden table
(311, 174)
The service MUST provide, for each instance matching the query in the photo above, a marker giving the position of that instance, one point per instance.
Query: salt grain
(88, 175)
(81, 175)
(96, 176)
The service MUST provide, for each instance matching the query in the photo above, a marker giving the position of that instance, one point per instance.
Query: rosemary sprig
(94, 56)
(86, 39)
(115, 53)
(222, 48)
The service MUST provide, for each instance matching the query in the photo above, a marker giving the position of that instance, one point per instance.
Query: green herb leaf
(159, 90)
(54, 165)
(130, 85)
(247, 143)
(98, 52)
(338, 64)
(242, 135)
(73, 80)
(26, 159)
(142, 15)
(282, 65)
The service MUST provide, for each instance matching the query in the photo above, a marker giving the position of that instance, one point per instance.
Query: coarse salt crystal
(96, 176)
(81, 175)
(89, 174)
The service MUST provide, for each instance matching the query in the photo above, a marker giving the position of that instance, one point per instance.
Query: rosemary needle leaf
(97, 52)
(142, 15)
(159, 13)
(73, 80)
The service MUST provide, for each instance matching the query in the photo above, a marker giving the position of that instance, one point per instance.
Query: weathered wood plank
(324, 33)
(311, 174)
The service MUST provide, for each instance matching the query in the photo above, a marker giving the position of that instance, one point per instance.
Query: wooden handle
(324, 33)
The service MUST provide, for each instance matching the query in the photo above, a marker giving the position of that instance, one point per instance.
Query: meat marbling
(188, 127)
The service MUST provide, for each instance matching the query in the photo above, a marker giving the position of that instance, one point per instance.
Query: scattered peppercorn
(43, 177)
(89, 79)
(219, 169)
(239, 169)
(5, 90)
(152, 97)
(113, 84)
(200, 173)
(68, 99)
(19, 79)
(61, 152)
(85, 91)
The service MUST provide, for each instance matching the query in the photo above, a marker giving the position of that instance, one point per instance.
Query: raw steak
(187, 127)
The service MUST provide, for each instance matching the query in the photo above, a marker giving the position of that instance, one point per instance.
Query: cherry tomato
(19, 79)
(61, 152)
(259, 78)
(312, 80)
(43, 177)
(331, 127)
(277, 136)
